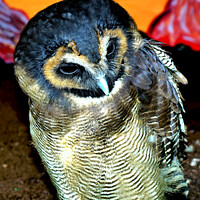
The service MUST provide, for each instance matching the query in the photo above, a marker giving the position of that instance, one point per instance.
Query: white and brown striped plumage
(105, 109)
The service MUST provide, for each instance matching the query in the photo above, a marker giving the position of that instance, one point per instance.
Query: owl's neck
(93, 117)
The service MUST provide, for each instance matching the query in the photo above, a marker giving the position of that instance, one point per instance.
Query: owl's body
(105, 110)
(95, 156)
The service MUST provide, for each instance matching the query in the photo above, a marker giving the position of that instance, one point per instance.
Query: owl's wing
(156, 77)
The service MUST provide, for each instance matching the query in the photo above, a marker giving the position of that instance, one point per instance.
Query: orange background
(143, 11)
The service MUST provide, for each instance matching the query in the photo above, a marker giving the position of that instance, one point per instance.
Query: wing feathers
(155, 76)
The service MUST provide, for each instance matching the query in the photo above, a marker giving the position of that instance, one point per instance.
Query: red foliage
(12, 22)
(178, 24)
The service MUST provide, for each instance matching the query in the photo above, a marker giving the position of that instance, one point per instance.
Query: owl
(104, 104)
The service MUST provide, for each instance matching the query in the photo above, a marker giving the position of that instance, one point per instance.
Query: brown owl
(105, 108)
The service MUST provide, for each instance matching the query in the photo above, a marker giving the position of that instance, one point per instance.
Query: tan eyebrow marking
(49, 70)
(104, 40)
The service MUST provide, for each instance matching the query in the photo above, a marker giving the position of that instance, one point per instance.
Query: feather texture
(91, 155)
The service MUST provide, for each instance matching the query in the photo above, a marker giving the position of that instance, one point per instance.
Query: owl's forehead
(85, 39)
(82, 22)
(85, 23)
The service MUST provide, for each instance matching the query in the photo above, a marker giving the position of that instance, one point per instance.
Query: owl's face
(75, 47)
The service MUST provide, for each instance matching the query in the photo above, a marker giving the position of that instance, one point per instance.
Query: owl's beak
(103, 85)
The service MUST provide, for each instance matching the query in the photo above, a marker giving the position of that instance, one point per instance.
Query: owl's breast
(101, 151)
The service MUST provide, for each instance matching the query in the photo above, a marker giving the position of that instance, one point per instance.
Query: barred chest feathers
(92, 155)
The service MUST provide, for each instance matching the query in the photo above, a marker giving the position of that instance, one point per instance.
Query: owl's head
(75, 47)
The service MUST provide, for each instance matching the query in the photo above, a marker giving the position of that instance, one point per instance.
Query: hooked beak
(102, 83)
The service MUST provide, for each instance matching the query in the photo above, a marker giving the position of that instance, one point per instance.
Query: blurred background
(173, 22)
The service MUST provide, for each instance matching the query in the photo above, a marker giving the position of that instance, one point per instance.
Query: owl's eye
(68, 68)
(111, 49)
